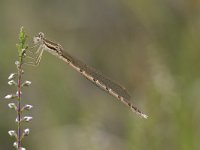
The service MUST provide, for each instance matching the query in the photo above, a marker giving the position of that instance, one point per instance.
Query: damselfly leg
(34, 58)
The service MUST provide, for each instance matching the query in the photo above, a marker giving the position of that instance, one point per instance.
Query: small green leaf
(22, 42)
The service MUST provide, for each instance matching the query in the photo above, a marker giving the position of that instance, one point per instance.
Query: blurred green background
(150, 47)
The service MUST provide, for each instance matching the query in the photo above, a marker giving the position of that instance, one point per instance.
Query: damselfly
(89, 73)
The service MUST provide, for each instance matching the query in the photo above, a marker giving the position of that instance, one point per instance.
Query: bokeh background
(150, 47)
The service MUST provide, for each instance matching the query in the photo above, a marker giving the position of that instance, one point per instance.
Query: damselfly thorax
(89, 73)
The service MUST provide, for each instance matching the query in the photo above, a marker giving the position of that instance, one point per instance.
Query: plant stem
(19, 104)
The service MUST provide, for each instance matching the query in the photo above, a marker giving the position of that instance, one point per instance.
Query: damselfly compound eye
(41, 34)
(36, 40)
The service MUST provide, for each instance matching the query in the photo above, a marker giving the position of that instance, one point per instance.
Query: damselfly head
(38, 38)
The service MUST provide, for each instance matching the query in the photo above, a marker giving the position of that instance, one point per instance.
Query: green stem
(19, 103)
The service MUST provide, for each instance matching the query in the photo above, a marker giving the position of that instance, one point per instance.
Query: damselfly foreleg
(35, 57)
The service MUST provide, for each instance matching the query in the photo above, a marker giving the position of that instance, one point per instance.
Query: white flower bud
(12, 133)
(26, 132)
(11, 76)
(12, 82)
(17, 63)
(26, 83)
(22, 148)
(27, 107)
(10, 96)
(12, 106)
(17, 120)
(15, 145)
(27, 118)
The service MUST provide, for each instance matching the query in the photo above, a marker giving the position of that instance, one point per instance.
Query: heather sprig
(15, 79)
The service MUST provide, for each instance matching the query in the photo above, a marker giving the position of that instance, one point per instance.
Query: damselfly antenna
(89, 73)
